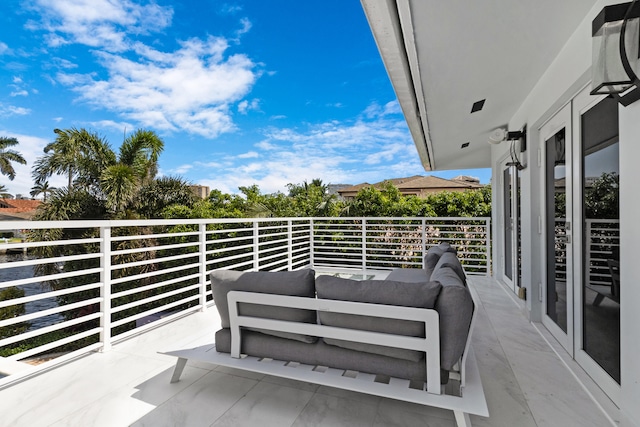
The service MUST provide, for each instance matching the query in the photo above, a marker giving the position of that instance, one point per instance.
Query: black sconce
(616, 52)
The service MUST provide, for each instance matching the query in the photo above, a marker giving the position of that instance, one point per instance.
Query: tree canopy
(104, 184)
(312, 199)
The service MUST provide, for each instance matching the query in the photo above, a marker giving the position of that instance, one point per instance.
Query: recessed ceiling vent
(477, 106)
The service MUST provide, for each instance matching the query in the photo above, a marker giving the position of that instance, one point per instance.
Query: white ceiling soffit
(443, 56)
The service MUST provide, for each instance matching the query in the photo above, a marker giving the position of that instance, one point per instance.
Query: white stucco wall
(561, 82)
(630, 268)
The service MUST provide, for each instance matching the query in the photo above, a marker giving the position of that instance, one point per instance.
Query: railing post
(256, 246)
(424, 242)
(203, 265)
(105, 290)
(311, 242)
(489, 261)
(364, 245)
(290, 244)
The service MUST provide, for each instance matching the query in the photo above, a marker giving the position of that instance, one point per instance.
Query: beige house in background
(201, 191)
(418, 185)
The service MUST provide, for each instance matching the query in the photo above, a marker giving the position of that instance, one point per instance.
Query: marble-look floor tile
(266, 405)
(300, 385)
(240, 373)
(126, 405)
(330, 411)
(409, 419)
(427, 412)
(555, 398)
(60, 392)
(201, 403)
(347, 394)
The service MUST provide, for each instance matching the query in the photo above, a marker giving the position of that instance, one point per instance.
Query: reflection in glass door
(600, 302)
(508, 223)
(558, 294)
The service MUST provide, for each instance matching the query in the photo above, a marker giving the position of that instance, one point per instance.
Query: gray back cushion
(450, 259)
(295, 283)
(433, 256)
(455, 307)
(421, 295)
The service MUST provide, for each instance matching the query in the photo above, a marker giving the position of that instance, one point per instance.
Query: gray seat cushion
(411, 275)
(295, 283)
(420, 295)
(455, 308)
(321, 354)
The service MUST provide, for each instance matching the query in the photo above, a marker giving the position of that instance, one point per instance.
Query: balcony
(110, 295)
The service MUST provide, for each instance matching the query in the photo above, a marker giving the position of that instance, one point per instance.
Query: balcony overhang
(444, 57)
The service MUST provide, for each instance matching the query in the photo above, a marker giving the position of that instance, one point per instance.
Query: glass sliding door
(558, 292)
(508, 222)
(582, 290)
(510, 256)
(599, 305)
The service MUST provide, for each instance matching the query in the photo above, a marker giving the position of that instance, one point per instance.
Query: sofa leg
(177, 371)
(462, 419)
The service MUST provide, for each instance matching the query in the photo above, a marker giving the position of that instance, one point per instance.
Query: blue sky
(249, 92)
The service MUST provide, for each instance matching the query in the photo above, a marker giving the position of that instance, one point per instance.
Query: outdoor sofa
(387, 337)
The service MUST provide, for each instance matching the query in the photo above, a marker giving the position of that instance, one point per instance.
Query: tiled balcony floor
(525, 380)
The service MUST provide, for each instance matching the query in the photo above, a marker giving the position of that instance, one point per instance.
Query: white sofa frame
(470, 401)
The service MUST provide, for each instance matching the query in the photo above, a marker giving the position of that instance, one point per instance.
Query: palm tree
(7, 156)
(42, 188)
(77, 153)
(4, 192)
(136, 166)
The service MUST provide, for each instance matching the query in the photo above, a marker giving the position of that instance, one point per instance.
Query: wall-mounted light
(500, 134)
(616, 52)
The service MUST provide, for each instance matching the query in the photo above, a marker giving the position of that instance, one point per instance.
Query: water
(30, 289)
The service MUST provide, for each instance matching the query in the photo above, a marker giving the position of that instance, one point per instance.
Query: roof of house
(434, 182)
(419, 182)
(18, 208)
(21, 204)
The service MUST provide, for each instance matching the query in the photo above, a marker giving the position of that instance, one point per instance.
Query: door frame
(513, 282)
(562, 119)
(582, 103)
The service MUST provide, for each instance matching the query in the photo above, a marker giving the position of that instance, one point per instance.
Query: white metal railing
(78, 286)
(602, 241)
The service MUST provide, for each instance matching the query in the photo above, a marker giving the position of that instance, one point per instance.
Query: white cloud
(180, 170)
(365, 149)
(376, 110)
(244, 106)
(113, 125)
(230, 9)
(19, 92)
(99, 23)
(249, 155)
(246, 26)
(186, 90)
(12, 110)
